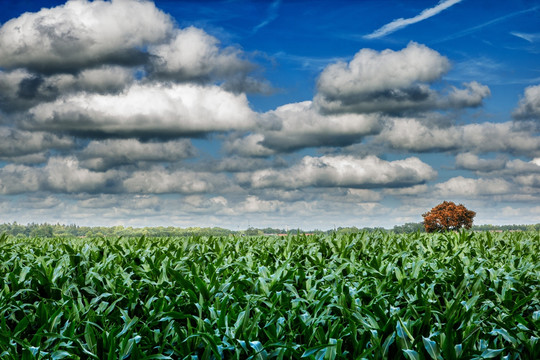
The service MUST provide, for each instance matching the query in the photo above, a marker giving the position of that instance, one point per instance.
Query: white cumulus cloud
(410, 134)
(300, 125)
(461, 186)
(392, 82)
(146, 110)
(529, 105)
(82, 34)
(60, 174)
(194, 55)
(342, 171)
(472, 162)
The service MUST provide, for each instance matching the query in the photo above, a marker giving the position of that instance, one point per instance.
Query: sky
(288, 114)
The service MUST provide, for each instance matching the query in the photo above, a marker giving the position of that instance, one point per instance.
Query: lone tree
(448, 216)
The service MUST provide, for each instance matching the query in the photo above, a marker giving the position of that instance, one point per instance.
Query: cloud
(410, 134)
(30, 159)
(193, 55)
(503, 173)
(200, 202)
(16, 143)
(271, 16)
(151, 110)
(530, 37)
(461, 186)
(21, 89)
(354, 195)
(17, 179)
(191, 210)
(500, 166)
(108, 201)
(101, 155)
(392, 82)
(313, 194)
(303, 126)
(63, 175)
(471, 95)
(372, 71)
(476, 28)
(520, 167)
(159, 180)
(472, 162)
(252, 204)
(529, 106)
(305, 203)
(248, 146)
(532, 180)
(300, 125)
(414, 190)
(86, 48)
(82, 34)
(401, 23)
(342, 171)
(40, 201)
(486, 68)
(67, 175)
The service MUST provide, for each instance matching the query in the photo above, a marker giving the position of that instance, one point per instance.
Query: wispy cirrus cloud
(272, 15)
(476, 28)
(401, 22)
(530, 37)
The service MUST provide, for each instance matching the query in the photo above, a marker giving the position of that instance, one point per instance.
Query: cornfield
(367, 295)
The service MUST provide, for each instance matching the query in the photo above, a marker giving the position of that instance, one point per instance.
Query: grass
(374, 296)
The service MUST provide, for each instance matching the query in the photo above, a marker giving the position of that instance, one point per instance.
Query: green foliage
(409, 228)
(366, 295)
(530, 227)
(253, 232)
(58, 230)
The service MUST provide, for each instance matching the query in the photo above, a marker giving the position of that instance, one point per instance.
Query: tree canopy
(448, 216)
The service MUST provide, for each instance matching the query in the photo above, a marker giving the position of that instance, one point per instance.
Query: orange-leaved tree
(448, 216)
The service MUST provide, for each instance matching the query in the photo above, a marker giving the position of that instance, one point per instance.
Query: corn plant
(361, 296)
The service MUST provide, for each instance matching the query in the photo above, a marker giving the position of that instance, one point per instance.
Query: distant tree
(347, 230)
(408, 228)
(448, 216)
(42, 230)
(251, 231)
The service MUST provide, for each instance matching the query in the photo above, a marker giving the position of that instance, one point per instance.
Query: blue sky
(308, 114)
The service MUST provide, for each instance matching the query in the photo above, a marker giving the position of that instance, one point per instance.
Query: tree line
(60, 230)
